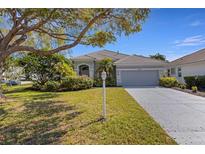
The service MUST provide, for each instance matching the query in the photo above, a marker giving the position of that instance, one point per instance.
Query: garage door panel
(140, 78)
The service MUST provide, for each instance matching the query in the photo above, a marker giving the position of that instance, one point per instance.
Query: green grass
(30, 117)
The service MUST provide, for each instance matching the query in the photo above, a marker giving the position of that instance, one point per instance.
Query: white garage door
(140, 78)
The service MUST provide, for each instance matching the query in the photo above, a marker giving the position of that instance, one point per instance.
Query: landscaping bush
(194, 89)
(201, 82)
(182, 86)
(66, 84)
(168, 82)
(190, 81)
(110, 82)
(51, 86)
(198, 81)
(76, 83)
(36, 86)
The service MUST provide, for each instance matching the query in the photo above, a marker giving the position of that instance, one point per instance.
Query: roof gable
(100, 55)
(191, 58)
(140, 61)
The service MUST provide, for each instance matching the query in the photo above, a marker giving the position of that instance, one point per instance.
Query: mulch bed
(198, 93)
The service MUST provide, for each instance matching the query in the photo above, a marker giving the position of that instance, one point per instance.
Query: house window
(173, 71)
(168, 72)
(84, 70)
(179, 70)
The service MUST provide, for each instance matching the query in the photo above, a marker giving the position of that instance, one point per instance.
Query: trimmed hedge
(66, 84)
(168, 82)
(198, 81)
(51, 86)
(76, 83)
(110, 82)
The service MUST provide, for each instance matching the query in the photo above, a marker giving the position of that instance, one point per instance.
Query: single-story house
(131, 70)
(189, 65)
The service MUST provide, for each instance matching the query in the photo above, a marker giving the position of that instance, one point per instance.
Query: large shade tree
(48, 31)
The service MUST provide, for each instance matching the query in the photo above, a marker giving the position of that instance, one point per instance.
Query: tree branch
(64, 47)
(36, 26)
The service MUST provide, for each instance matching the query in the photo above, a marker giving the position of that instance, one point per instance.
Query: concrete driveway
(182, 115)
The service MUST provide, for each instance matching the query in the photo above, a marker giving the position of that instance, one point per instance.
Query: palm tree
(106, 65)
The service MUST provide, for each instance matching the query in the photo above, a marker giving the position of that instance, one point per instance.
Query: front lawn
(30, 117)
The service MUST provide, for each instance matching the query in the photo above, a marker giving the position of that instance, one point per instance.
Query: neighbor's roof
(100, 55)
(191, 58)
(137, 60)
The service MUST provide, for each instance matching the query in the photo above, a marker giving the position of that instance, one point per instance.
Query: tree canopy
(48, 31)
(44, 68)
(158, 56)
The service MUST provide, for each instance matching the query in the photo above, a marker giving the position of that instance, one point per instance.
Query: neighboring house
(130, 70)
(189, 65)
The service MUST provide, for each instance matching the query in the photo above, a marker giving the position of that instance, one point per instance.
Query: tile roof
(100, 55)
(191, 58)
(140, 61)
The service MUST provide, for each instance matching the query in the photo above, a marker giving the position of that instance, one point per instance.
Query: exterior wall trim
(84, 64)
(139, 69)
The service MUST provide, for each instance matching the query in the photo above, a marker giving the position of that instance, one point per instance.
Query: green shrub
(190, 81)
(36, 86)
(201, 81)
(110, 82)
(66, 84)
(51, 86)
(168, 82)
(194, 89)
(76, 83)
(182, 86)
(198, 81)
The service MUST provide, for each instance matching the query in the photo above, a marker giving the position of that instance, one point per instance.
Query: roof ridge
(89, 56)
(149, 58)
(117, 52)
(122, 59)
(98, 52)
(200, 50)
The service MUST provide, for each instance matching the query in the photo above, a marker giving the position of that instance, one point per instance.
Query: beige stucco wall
(89, 63)
(192, 69)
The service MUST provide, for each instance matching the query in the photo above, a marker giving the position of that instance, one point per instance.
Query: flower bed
(198, 93)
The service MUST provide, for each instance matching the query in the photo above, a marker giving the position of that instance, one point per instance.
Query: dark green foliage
(168, 82)
(201, 81)
(45, 68)
(110, 82)
(190, 81)
(76, 83)
(66, 84)
(107, 66)
(158, 56)
(51, 86)
(198, 81)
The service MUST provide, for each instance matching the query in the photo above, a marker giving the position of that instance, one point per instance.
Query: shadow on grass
(18, 89)
(100, 119)
(42, 121)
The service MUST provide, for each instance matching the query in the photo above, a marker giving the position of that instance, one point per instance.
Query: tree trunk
(1, 78)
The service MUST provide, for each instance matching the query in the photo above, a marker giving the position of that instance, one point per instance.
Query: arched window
(84, 70)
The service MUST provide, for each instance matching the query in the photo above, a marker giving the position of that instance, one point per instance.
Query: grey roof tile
(193, 57)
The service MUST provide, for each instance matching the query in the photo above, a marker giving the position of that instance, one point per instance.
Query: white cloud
(196, 23)
(191, 41)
